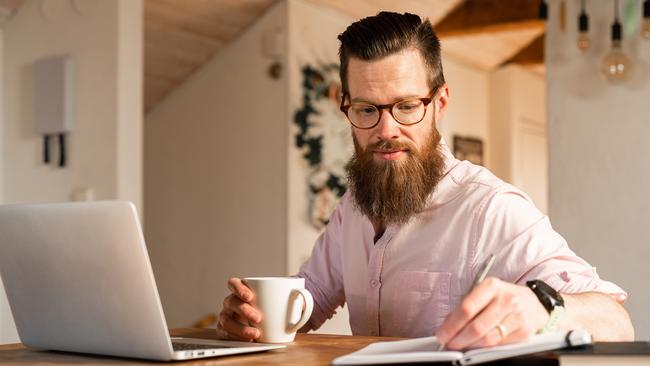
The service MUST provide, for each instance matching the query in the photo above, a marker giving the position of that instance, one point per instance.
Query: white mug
(277, 299)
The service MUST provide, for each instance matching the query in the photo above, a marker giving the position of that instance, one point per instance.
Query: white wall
(599, 156)
(518, 130)
(130, 120)
(2, 112)
(468, 112)
(215, 176)
(312, 40)
(105, 39)
(7, 326)
(502, 115)
(8, 333)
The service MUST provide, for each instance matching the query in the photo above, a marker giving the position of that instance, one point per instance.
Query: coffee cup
(285, 305)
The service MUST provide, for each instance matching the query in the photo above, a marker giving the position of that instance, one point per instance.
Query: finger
(480, 329)
(240, 290)
(471, 305)
(509, 333)
(237, 330)
(242, 320)
(234, 305)
(222, 334)
(491, 338)
(519, 330)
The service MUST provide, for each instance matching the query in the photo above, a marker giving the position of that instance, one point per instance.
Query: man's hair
(387, 33)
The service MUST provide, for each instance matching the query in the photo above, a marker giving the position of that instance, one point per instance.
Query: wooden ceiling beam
(487, 16)
(533, 54)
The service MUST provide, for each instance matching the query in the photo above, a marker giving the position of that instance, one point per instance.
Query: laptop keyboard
(191, 346)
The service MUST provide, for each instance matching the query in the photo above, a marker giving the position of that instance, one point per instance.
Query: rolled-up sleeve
(322, 273)
(527, 247)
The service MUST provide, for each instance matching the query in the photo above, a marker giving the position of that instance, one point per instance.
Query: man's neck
(379, 227)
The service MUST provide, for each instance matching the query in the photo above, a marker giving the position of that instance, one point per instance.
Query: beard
(393, 191)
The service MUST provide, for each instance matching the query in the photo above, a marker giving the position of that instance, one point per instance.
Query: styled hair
(387, 33)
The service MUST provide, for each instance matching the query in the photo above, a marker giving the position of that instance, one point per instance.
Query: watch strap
(546, 294)
(552, 302)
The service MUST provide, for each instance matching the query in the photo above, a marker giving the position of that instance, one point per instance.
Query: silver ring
(502, 330)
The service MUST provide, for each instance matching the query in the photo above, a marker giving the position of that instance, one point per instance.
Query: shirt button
(374, 283)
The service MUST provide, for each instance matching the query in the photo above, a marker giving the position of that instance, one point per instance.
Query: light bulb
(583, 41)
(616, 65)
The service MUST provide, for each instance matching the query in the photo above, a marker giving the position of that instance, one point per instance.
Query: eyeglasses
(406, 112)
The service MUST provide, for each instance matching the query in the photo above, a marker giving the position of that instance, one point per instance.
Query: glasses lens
(409, 111)
(363, 115)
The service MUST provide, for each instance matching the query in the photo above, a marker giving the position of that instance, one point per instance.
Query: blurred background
(219, 119)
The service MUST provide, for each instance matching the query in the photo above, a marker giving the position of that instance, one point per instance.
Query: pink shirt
(407, 282)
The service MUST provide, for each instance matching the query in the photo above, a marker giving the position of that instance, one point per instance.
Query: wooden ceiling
(435, 10)
(489, 33)
(182, 35)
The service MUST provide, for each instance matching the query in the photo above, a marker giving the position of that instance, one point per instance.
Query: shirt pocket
(424, 298)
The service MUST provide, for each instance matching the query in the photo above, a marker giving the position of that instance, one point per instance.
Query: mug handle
(309, 307)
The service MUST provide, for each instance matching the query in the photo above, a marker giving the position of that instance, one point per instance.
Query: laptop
(78, 279)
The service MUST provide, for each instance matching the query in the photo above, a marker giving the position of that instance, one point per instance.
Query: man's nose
(388, 127)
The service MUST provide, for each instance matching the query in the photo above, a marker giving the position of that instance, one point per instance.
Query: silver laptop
(78, 278)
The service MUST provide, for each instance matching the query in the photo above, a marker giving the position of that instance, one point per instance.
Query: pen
(485, 268)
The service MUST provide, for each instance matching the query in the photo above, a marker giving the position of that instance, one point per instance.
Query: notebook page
(410, 350)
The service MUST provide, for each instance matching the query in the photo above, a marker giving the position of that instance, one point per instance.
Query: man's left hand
(494, 312)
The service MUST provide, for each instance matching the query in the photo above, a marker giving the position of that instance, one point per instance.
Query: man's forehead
(394, 77)
(404, 61)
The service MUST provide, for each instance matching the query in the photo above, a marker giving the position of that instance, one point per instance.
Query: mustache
(390, 145)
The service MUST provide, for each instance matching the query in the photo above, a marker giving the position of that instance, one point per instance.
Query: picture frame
(468, 148)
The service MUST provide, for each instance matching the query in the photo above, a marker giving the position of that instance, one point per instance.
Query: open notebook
(424, 350)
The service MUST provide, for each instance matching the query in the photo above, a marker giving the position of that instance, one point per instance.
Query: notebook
(419, 350)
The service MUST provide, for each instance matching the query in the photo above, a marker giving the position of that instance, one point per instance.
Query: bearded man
(407, 240)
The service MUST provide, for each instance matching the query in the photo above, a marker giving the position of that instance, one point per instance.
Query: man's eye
(364, 110)
(408, 107)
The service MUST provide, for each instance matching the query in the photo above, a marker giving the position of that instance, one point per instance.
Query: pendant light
(542, 11)
(616, 65)
(583, 29)
(645, 25)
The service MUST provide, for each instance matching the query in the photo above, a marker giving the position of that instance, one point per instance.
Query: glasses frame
(426, 101)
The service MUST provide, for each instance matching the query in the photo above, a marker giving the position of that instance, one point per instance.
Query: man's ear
(441, 102)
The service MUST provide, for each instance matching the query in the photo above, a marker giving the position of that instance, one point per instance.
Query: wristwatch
(552, 302)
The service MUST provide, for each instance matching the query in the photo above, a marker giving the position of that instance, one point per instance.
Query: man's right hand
(238, 317)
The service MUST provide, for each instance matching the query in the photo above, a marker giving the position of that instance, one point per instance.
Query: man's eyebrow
(397, 99)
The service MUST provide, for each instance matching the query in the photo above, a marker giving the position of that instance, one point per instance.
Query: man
(406, 241)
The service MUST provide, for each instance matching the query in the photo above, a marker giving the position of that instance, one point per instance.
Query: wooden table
(308, 349)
